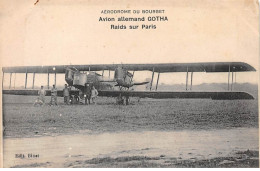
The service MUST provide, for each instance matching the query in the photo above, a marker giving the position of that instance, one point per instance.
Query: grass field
(23, 120)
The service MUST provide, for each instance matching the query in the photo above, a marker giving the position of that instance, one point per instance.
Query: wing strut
(26, 75)
(235, 80)
(132, 77)
(33, 80)
(228, 76)
(232, 81)
(10, 80)
(14, 79)
(3, 80)
(55, 79)
(48, 84)
(191, 80)
(151, 84)
(187, 77)
(157, 80)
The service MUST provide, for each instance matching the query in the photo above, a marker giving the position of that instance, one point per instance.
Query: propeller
(97, 74)
(142, 83)
(73, 69)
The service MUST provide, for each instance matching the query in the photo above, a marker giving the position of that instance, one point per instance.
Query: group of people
(90, 94)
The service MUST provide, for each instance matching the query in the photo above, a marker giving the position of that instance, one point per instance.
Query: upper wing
(149, 94)
(163, 67)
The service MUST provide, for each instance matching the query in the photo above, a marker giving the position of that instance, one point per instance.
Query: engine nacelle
(120, 73)
(80, 79)
(69, 76)
(123, 77)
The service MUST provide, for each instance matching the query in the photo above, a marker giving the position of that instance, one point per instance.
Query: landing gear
(119, 100)
(74, 99)
(122, 100)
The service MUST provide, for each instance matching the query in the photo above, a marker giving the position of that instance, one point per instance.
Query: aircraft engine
(120, 74)
(123, 77)
(79, 79)
(92, 77)
(69, 76)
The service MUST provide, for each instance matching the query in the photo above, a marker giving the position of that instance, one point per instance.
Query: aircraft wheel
(71, 99)
(76, 99)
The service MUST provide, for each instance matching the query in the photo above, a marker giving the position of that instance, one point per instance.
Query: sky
(63, 32)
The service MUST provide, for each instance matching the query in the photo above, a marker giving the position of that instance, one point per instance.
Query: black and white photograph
(129, 84)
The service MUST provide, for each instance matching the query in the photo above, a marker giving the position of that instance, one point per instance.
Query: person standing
(94, 94)
(54, 95)
(81, 97)
(41, 98)
(87, 93)
(42, 94)
(66, 95)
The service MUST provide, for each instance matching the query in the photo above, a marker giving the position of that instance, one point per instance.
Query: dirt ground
(237, 119)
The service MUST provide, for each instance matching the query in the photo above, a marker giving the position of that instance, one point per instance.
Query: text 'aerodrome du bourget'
(133, 19)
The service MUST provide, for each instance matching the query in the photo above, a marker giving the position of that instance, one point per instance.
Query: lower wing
(150, 94)
(35, 92)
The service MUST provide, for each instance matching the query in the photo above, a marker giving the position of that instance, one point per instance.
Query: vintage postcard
(140, 83)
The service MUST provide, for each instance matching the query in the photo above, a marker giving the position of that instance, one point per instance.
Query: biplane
(78, 76)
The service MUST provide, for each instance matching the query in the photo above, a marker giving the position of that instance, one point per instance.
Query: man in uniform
(81, 97)
(38, 102)
(94, 94)
(66, 94)
(87, 93)
(54, 95)
(41, 94)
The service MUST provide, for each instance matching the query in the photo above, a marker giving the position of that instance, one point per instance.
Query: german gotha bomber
(78, 76)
